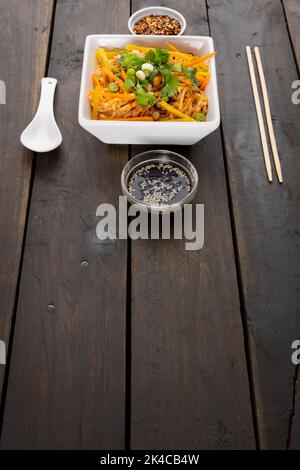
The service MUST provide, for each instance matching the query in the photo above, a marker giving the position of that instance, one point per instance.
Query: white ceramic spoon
(43, 134)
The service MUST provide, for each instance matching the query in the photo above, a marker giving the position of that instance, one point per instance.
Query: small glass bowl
(156, 11)
(159, 156)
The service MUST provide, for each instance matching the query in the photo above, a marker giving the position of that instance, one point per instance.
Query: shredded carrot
(157, 80)
(113, 77)
(123, 74)
(181, 55)
(198, 61)
(175, 111)
(204, 83)
(172, 47)
(96, 96)
(111, 53)
(134, 47)
(202, 73)
(122, 96)
(206, 57)
(101, 57)
(192, 63)
(140, 118)
(96, 80)
(200, 66)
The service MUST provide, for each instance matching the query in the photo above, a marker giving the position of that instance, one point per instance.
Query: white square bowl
(168, 133)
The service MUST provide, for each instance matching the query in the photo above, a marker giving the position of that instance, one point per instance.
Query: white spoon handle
(48, 86)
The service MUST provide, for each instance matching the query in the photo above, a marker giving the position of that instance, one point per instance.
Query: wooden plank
(189, 375)
(24, 34)
(266, 216)
(66, 383)
(292, 11)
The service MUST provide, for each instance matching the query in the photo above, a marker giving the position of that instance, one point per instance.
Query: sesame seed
(157, 184)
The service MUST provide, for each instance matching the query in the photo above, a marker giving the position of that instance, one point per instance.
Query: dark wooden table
(147, 345)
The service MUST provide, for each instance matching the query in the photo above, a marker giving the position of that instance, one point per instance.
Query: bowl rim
(170, 11)
(186, 163)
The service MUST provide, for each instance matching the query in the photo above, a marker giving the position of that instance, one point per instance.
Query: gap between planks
(243, 309)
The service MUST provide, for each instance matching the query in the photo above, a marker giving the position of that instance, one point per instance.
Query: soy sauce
(158, 184)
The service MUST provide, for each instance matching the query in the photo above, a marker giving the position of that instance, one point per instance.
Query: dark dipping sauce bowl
(159, 181)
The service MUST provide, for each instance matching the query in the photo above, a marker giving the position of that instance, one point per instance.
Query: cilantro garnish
(129, 82)
(157, 56)
(170, 86)
(131, 61)
(190, 73)
(144, 98)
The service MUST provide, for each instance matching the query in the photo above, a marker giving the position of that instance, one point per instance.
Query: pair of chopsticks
(260, 115)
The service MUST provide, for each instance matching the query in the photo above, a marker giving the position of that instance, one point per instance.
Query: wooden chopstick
(268, 114)
(259, 115)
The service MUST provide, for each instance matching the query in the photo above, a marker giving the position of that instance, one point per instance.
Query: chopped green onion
(200, 117)
(140, 75)
(176, 67)
(147, 73)
(113, 87)
(148, 67)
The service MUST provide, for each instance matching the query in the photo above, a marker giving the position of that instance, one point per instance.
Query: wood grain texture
(66, 382)
(292, 11)
(266, 216)
(189, 375)
(24, 31)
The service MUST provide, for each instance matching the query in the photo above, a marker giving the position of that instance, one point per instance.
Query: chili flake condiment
(157, 24)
